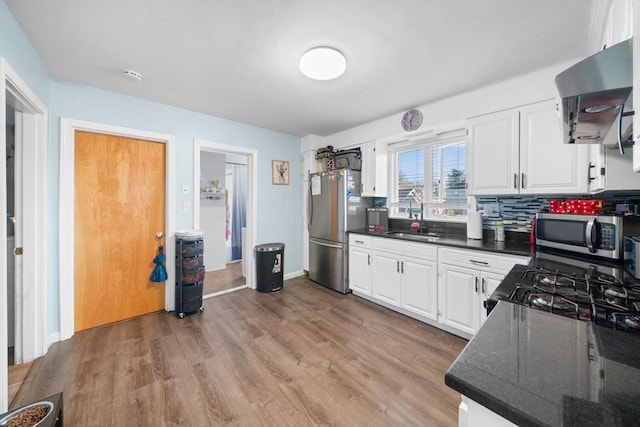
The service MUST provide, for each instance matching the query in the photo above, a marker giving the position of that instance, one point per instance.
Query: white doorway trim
(67, 185)
(31, 224)
(252, 194)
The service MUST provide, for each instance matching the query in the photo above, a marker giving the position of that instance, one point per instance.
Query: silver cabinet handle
(368, 259)
(522, 182)
(402, 267)
(484, 288)
(476, 283)
(473, 261)
(397, 266)
(515, 181)
(359, 241)
(589, 177)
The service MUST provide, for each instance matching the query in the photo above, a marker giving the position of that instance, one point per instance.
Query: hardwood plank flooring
(303, 356)
(17, 375)
(222, 280)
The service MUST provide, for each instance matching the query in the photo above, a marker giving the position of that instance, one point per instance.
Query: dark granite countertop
(541, 369)
(511, 247)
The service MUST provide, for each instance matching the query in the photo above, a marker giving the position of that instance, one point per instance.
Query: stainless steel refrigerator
(335, 207)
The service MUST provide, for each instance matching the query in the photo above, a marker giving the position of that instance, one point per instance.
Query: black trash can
(269, 267)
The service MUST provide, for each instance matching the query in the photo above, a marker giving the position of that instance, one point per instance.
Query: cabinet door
(360, 271)
(385, 273)
(368, 151)
(374, 169)
(420, 287)
(492, 154)
(547, 165)
(488, 283)
(458, 298)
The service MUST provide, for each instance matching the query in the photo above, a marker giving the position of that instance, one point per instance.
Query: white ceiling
(238, 59)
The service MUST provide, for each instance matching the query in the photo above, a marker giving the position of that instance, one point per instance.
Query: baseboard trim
(293, 275)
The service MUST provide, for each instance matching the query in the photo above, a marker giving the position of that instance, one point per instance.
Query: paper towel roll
(474, 225)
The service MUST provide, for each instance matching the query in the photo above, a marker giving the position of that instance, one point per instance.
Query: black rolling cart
(189, 273)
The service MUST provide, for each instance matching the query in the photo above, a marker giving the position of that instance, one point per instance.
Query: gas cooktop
(577, 288)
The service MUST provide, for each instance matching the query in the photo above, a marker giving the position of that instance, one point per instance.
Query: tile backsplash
(517, 212)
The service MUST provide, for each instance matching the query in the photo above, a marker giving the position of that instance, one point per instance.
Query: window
(430, 175)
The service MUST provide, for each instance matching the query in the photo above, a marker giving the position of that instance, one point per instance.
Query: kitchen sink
(414, 236)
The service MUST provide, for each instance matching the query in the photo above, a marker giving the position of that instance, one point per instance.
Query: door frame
(199, 146)
(68, 127)
(31, 337)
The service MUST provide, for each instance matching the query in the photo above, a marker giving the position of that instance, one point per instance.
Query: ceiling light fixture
(132, 75)
(323, 63)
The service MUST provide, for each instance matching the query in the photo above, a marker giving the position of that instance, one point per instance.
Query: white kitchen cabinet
(520, 151)
(472, 414)
(360, 263)
(611, 170)
(386, 278)
(458, 299)
(466, 280)
(420, 287)
(374, 169)
(404, 275)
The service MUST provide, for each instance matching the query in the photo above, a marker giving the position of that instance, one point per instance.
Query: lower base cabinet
(466, 280)
(472, 414)
(443, 286)
(360, 264)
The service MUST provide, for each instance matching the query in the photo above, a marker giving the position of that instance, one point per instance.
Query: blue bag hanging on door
(159, 274)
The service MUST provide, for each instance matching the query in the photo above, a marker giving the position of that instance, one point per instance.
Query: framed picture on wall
(280, 172)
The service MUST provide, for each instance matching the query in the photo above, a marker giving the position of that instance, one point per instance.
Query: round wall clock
(411, 120)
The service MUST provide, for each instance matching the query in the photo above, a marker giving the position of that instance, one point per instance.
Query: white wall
(213, 212)
(451, 112)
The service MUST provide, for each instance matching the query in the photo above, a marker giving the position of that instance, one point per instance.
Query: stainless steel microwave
(599, 235)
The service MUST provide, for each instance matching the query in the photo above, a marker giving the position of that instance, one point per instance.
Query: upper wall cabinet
(618, 25)
(520, 151)
(374, 169)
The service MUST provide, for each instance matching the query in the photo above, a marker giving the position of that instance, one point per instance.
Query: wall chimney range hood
(595, 98)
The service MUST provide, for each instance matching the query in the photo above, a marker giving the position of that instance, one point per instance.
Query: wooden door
(119, 208)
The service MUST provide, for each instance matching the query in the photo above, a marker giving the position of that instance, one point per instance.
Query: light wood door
(119, 208)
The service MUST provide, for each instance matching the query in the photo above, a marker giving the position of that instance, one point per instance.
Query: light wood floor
(17, 373)
(221, 280)
(302, 356)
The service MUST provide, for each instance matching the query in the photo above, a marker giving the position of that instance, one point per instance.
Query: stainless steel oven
(598, 235)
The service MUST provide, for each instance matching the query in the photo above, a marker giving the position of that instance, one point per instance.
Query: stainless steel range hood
(594, 93)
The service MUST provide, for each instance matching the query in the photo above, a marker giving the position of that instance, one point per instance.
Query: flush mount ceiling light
(132, 75)
(323, 63)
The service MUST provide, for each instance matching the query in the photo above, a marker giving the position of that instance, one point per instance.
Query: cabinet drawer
(402, 247)
(189, 291)
(189, 247)
(359, 240)
(480, 260)
(190, 263)
(184, 275)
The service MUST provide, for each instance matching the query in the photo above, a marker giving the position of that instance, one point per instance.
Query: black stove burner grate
(587, 295)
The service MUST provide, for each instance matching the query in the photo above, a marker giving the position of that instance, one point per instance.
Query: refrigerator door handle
(329, 245)
(309, 206)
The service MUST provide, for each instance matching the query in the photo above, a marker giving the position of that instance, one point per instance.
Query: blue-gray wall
(279, 206)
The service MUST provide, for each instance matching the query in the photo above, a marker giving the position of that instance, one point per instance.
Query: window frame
(450, 138)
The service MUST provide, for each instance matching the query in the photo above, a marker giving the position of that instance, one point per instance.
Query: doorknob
(159, 235)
